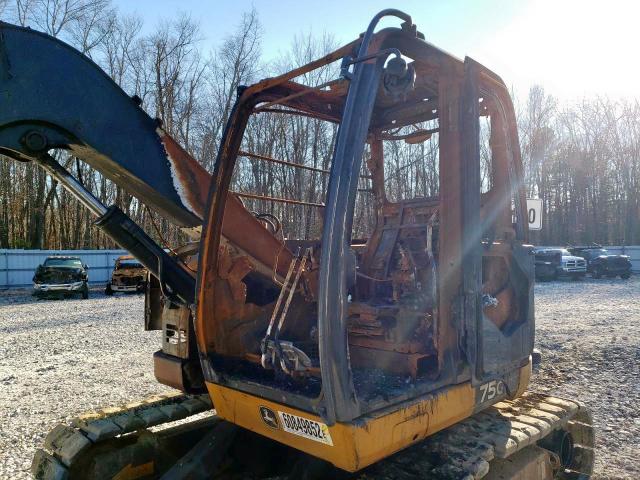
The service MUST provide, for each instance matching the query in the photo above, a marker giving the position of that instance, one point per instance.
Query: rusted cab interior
(258, 302)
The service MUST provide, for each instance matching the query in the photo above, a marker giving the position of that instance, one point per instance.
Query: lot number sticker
(306, 428)
(534, 213)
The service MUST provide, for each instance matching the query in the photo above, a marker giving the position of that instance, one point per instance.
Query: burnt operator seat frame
(467, 339)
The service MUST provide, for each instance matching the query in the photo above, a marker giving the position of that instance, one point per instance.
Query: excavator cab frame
(376, 94)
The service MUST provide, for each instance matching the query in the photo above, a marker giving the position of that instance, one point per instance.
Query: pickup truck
(553, 263)
(61, 276)
(600, 262)
(128, 276)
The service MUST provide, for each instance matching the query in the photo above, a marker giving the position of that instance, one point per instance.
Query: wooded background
(582, 158)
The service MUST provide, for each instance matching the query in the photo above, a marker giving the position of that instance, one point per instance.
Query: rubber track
(466, 449)
(462, 451)
(65, 444)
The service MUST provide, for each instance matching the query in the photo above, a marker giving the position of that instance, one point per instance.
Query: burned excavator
(403, 353)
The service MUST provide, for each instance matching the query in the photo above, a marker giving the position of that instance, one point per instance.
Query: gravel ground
(61, 358)
(589, 336)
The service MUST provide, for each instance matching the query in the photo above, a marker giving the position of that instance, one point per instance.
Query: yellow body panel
(358, 444)
(367, 439)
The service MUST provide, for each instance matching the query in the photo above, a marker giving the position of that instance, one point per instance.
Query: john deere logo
(269, 417)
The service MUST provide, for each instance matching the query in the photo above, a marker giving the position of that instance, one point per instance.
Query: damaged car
(601, 262)
(128, 275)
(61, 276)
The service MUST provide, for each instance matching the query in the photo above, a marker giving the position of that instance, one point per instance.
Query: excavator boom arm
(51, 96)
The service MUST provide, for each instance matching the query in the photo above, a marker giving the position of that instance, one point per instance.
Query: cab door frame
(492, 352)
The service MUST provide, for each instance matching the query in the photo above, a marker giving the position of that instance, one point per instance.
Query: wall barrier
(18, 266)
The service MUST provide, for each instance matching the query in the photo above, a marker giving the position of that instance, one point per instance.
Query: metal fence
(17, 266)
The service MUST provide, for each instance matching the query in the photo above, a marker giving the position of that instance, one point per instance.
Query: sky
(573, 48)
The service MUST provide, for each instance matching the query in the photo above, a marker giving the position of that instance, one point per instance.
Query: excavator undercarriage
(394, 343)
(533, 437)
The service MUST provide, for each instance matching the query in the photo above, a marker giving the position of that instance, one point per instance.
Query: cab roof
(431, 64)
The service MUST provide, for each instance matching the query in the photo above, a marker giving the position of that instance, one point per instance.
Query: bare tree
(93, 25)
(582, 159)
(236, 62)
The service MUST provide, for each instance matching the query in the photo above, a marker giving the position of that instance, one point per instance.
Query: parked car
(552, 263)
(128, 275)
(546, 264)
(61, 276)
(600, 262)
